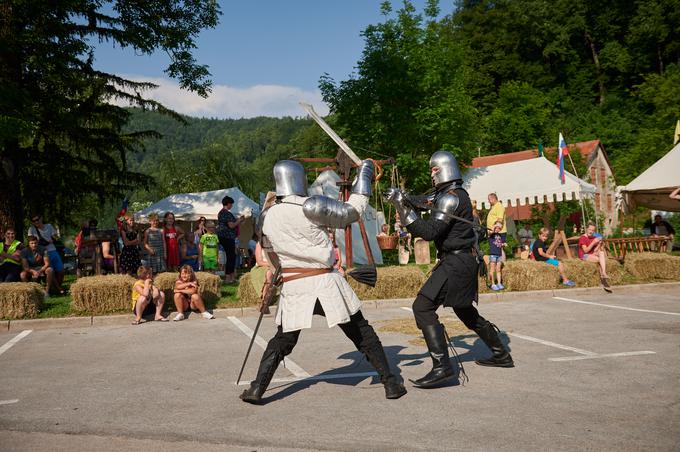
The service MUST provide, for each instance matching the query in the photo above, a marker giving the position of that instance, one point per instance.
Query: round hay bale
(208, 286)
(20, 300)
(653, 266)
(102, 294)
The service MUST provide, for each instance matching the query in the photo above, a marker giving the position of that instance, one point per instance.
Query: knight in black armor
(453, 282)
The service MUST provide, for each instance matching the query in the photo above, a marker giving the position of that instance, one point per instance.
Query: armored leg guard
(442, 371)
(488, 332)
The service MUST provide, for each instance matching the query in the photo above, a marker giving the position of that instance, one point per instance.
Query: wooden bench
(618, 247)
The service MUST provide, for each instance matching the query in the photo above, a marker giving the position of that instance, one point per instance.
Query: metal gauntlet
(362, 183)
(395, 197)
(325, 211)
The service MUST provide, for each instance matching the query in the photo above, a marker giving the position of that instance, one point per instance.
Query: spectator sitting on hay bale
(143, 293)
(540, 250)
(10, 257)
(187, 296)
(35, 261)
(590, 249)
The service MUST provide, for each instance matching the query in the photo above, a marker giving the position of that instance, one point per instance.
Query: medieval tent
(189, 207)
(524, 182)
(651, 188)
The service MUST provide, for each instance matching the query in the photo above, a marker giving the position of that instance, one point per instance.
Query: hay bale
(102, 294)
(20, 300)
(520, 275)
(587, 274)
(208, 286)
(653, 266)
(246, 294)
(393, 282)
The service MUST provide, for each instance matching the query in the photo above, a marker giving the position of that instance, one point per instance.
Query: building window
(593, 174)
(597, 201)
(603, 177)
(609, 202)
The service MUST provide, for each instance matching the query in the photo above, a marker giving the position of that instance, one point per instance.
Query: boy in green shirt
(207, 248)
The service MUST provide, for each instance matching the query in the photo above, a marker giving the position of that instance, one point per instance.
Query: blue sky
(264, 56)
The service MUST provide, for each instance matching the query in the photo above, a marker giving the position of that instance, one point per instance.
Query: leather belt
(303, 273)
(460, 251)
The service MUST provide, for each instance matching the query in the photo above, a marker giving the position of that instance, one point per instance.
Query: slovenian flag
(562, 152)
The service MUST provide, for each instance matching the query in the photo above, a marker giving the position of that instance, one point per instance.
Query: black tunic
(454, 240)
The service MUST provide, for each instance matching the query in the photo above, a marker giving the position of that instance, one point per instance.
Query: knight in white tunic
(297, 231)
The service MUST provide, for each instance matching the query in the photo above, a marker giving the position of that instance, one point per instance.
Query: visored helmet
(448, 168)
(290, 178)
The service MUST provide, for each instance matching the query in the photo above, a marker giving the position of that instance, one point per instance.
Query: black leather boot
(393, 386)
(442, 371)
(488, 332)
(270, 361)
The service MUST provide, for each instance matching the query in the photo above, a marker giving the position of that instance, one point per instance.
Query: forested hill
(208, 154)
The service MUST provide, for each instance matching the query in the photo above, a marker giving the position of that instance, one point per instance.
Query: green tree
(408, 96)
(61, 139)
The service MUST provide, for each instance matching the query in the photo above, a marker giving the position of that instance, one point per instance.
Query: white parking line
(288, 363)
(319, 377)
(8, 402)
(604, 355)
(552, 344)
(571, 300)
(14, 340)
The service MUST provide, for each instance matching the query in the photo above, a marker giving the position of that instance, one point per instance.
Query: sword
(266, 302)
(331, 133)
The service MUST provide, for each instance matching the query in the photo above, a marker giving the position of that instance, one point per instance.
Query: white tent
(652, 187)
(192, 206)
(525, 182)
(326, 184)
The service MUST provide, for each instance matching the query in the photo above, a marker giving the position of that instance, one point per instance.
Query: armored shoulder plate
(328, 212)
(445, 206)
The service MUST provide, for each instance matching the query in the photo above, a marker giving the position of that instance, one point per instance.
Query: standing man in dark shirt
(453, 282)
(226, 232)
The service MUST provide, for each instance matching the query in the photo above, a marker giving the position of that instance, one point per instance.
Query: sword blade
(331, 133)
(252, 340)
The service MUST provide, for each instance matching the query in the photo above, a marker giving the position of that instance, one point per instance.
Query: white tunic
(299, 243)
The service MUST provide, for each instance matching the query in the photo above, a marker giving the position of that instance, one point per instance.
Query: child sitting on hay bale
(540, 250)
(143, 293)
(187, 296)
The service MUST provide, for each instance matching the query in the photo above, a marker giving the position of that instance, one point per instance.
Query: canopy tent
(525, 182)
(192, 206)
(652, 187)
(326, 184)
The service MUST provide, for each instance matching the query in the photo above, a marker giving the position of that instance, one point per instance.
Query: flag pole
(580, 198)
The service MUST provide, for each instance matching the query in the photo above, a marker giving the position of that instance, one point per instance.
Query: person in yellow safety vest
(10, 257)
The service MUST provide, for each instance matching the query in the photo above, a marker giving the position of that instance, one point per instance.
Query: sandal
(138, 322)
(162, 319)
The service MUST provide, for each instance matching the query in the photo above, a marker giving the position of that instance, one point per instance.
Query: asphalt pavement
(593, 372)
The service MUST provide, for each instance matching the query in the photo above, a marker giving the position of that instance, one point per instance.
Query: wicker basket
(387, 242)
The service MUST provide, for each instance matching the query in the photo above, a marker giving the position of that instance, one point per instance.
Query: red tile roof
(586, 148)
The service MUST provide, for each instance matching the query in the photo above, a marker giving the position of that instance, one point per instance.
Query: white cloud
(229, 102)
